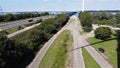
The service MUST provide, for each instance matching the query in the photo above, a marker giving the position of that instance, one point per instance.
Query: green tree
(103, 33)
(118, 18)
(86, 21)
(9, 17)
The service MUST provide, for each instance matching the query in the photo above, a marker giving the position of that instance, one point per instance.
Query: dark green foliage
(102, 15)
(4, 32)
(118, 18)
(18, 51)
(118, 40)
(9, 17)
(13, 17)
(86, 21)
(103, 33)
(11, 52)
(104, 18)
(118, 49)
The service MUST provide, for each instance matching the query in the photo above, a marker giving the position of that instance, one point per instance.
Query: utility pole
(118, 48)
(83, 5)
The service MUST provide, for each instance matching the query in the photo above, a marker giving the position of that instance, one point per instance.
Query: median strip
(56, 55)
(89, 61)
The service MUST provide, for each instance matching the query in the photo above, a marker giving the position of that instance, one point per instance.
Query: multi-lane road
(22, 22)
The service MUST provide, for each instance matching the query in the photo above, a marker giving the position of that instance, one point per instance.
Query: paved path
(78, 61)
(98, 58)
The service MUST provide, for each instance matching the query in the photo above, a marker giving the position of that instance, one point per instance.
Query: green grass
(89, 61)
(83, 32)
(57, 54)
(11, 30)
(110, 49)
(14, 29)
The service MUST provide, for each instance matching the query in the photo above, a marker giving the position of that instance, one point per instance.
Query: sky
(58, 5)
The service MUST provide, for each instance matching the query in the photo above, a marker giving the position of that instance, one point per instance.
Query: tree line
(19, 50)
(100, 18)
(86, 21)
(106, 18)
(13, 17)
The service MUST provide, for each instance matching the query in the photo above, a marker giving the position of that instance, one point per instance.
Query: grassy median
(110, 48)
(14, 29)
(89, 61)
(11, 30)
(57, 54)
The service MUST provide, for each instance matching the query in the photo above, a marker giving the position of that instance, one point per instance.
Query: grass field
(110, 49)
(14, 29)
(11, 30)
(89, 61)
(57, 54)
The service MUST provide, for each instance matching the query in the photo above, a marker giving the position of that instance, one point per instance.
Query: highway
(78, 61)
(22, 22)
(79, 42)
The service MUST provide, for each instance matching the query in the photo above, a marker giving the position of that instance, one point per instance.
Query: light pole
(118, 48)
(83, 3)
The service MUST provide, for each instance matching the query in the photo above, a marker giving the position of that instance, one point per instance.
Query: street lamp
(118, 47)
(83, 5)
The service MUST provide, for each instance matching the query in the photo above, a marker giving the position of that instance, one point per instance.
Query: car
(101, 49)
(30, 20)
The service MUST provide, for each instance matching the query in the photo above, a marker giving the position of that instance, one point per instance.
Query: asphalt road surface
(22, 22)
(78, 61)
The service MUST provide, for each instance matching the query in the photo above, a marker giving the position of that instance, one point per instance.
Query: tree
(103, 33)
(102, 15)
(1, 18)
(86, 21)
(118, 18)
(9, 17)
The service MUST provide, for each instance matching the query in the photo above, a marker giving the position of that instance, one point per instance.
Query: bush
(103, 33)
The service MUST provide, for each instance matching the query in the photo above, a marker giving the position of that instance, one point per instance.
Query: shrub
(103, 33)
